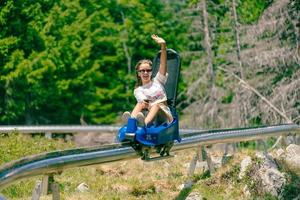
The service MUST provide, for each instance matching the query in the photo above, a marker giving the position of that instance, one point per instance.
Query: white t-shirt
(153, 91)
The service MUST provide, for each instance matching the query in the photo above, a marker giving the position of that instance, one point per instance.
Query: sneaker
(126, 115)
(141, 119)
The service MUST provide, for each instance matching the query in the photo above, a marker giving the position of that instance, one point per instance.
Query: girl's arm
(163, 54)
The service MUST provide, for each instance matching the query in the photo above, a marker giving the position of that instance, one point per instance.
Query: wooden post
(210, 163)
(196, 158)
(37, 191)
(48, 135)
(55, 191)
(45, 185)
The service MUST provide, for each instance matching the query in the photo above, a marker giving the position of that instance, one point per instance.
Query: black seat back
(173, 64)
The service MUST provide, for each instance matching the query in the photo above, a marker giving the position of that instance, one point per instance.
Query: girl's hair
(138, 79)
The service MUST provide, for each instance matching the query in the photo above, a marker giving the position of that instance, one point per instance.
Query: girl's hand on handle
(145, 104)
(158, 40)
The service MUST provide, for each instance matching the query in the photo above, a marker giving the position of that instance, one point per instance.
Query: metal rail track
(58, 129)
(70, 129)
(55, 162)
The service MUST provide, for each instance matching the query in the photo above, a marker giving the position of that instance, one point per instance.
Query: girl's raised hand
(158, 40)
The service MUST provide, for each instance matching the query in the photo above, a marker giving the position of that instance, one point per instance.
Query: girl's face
(145, 72)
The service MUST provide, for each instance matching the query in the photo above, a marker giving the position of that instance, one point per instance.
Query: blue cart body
(152, 135)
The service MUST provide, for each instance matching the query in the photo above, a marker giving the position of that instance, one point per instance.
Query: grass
(132, 179)
(14, 146)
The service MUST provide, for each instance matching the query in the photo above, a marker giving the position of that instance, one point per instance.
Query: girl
(150, 93)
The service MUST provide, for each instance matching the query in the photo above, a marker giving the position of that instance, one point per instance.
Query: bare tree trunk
(249, 87)
(125, 47)
(126, 51)
(128, 57)
(207, 44)
(242, 103)
(237, 38)
(277, 110)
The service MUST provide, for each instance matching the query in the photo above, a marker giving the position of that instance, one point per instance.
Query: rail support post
(53, 187)
(45, 184)
(37, 191)
(45, 187)
(55, 191)
(210, 163)
(198, 157)
(48, 135)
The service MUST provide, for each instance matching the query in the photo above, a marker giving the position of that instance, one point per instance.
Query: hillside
(247, 174)
(268, 62)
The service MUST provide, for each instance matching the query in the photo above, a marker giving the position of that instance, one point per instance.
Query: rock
(280, 153)
(267, 160)
(217, 161)
(186, 185)
(246, 191)
(272, 180)
(293, 155)
(244, 164)
(194, 196)
(83, 187)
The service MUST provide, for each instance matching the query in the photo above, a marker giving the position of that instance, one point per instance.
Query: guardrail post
(210, 163)
(48, 135)
(198, 157)
(55, 191)
(37, 191)
(45, 185)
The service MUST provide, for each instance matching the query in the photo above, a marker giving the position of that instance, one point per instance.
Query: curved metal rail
(58, 161)
(70, 129)
(58, 129)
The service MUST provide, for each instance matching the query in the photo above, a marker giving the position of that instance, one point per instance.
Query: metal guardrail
(53, 162)
(58, 129)
(70, 129)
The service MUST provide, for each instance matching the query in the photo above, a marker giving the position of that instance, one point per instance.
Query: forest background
(61, 60)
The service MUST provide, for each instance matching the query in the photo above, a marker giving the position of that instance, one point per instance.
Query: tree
(66, 59)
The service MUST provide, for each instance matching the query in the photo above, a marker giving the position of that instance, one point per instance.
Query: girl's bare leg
(152, 113)
(138, 108)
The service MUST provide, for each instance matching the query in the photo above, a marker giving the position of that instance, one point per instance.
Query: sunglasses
(145, 70)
